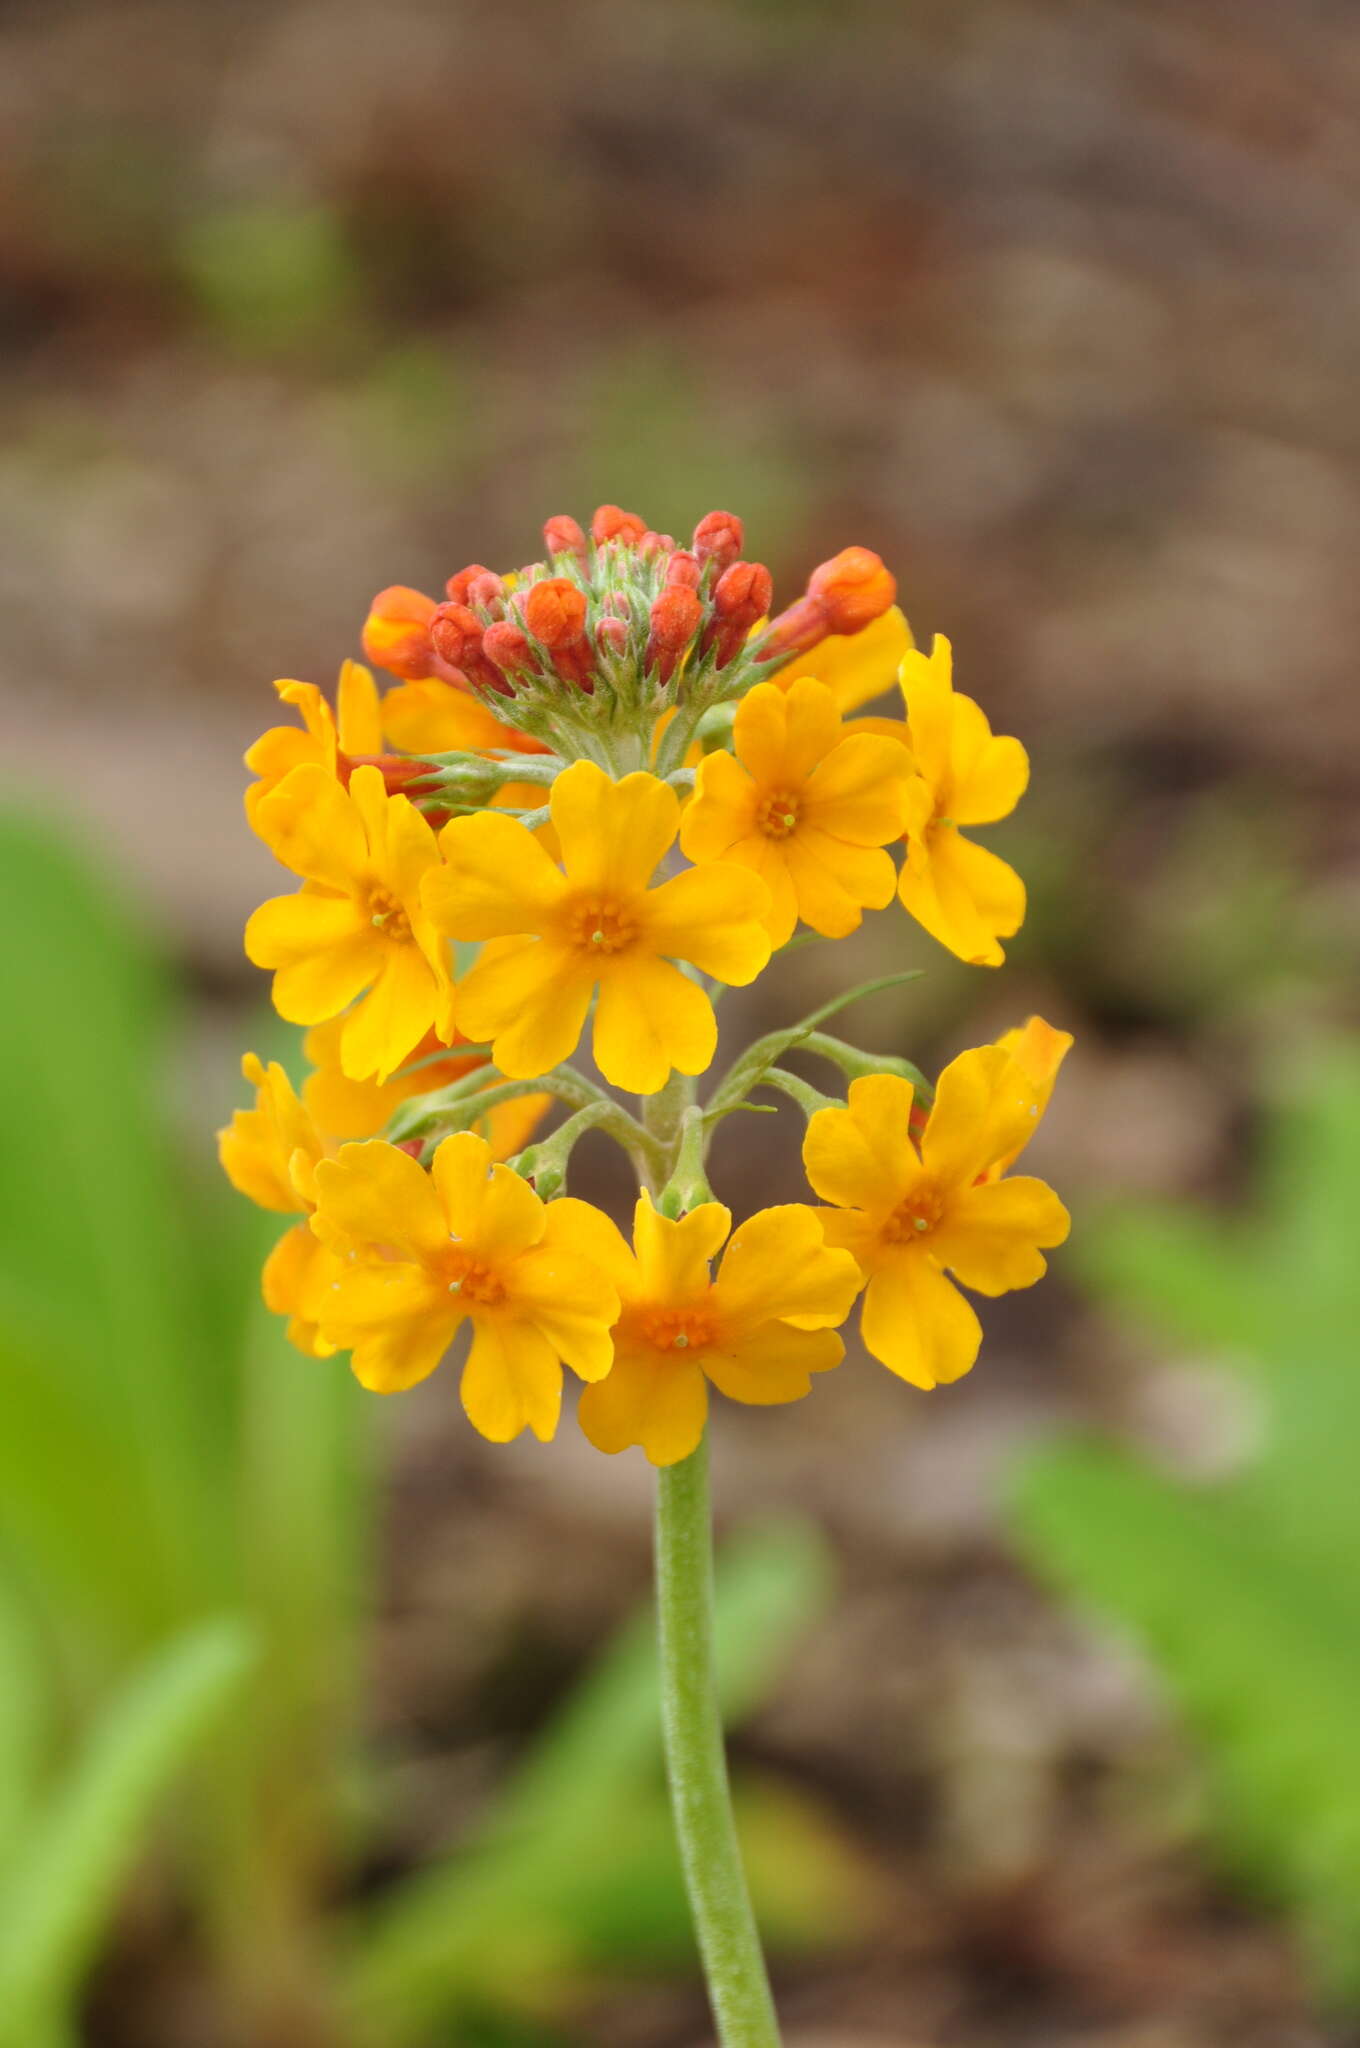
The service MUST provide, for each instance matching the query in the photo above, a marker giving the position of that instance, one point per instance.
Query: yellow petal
(834, 883)
(673, 1253)
(434, 717)
(984, 1109)
(778, 1264)
(989, 776)
(296, 1281)
(770, 1363)
(313, 826)
(712, 916)
(862, 1157)
(375, 1194)
(855, 666)
(398, 1010)
(357, 714)
(857, 792)
(286, 929)
(990, 1235)
(496, 881)
(917, 1323)
(1039, 1051)
(964, 897)
(649, 1019)
(578, 1227)
(651, 1399)
(781, 734)
(572, 1303)
(512, 1381)
(392, 1321)
(928, 687)
(613, 834)
(721, 811)
(532, 1001)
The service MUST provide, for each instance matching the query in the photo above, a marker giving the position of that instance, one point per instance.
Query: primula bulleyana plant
(601, 789)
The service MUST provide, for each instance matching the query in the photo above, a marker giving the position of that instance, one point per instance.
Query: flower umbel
(909, 1220)
(595, 924)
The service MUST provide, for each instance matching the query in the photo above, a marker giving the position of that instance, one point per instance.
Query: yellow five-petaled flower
(756, 1331)
(911, 1219)
(595, 923)
(421, 1253)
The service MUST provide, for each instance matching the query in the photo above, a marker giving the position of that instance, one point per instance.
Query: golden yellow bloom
(856, 667)
(805, 808)
(270, 1153)
(911, 1220)
(756, 1332)
(353, 729)
(962, 894)
(597, 925)
(358, 1109)
(357, 923)
(421, 1253)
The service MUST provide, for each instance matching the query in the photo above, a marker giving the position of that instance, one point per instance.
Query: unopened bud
(507, 646)
(718, 538)
(563, 535)
(456, 635)
(457, 587)
(685, 568)
(555, 612)
(486, 590)
(611, 635)
(675, 619)
(396, 633)
(796, 629)
(653, 545)
(612, 523)
(741, 596)
(855, 588)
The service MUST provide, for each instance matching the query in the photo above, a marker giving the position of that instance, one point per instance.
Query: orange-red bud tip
(746, 588)
(563, 535)
(611, 635)
(457, 587)
(718, 538)
(683, 567)
(508, 647)
(854, 587)
(396, 632)
(612, 523)
(675, 619)
(555, 612)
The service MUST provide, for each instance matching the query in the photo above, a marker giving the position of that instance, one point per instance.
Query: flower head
(962, 894)
(593, 924)
(328, 738)
(420, 1253)
(912, 1219)
(804, 807)
(756, 1331)
(270, 1153)
(357, 923)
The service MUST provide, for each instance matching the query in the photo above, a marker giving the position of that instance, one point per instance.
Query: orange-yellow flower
(594, 923)
(962, 894)
(421, 1253)
(910, 1220)
(270, 1153)
(343, 1108)
(357, 924)
(856, 667)
(756, 1331)
(806, 808)
(353, 729)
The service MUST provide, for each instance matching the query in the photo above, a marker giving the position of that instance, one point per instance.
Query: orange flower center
(677, 1329)
(597, 924)
(387, 914)
(915, 1217)
(471, 1279)
(777, 814)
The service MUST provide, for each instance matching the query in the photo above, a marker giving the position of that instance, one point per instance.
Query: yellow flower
(1038, 1050)
(756, 1332)
(343, 1108)
(469, 1241)
(598, 925)
(804, 807)
(911, 1220)
(357, 923)
(856, 667)
(270, 1153)
(962, 894)
(353, 729)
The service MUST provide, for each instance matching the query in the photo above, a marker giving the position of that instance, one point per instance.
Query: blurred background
(322, 1722)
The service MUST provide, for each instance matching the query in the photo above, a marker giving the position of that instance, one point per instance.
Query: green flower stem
(729, 1944)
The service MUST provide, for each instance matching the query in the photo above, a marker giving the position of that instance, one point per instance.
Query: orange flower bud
(741, 596)
(653, 545)
(610, 523)
(507, 646)
(611, 635)
(457, 587)
(685, 568)
(563, 535)
(796, 629)
(718, 538)
(855, 588)
(486, 590)
(456, 636)
(675, 619)
(555, 612)
(396, 632)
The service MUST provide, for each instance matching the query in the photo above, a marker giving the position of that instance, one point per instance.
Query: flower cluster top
(601, 788)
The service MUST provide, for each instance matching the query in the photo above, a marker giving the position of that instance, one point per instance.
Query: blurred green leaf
(59, 1893)
(271, 276)
(1246, 1592)
(22, 1722)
